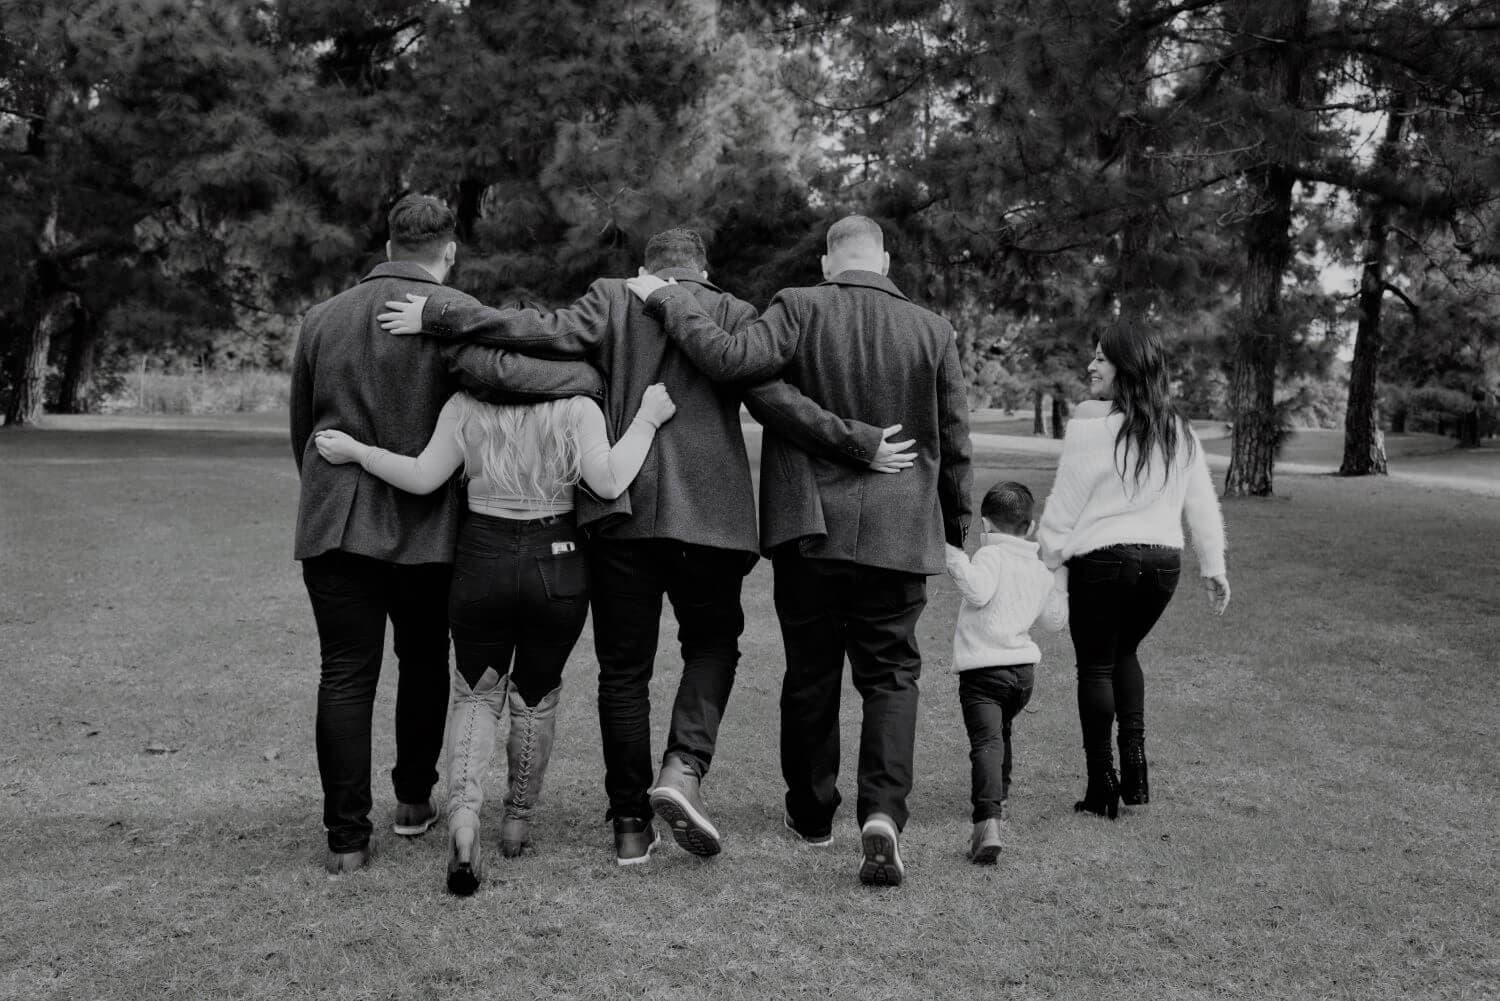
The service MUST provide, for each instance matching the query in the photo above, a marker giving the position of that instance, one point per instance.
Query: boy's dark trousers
(991, 697)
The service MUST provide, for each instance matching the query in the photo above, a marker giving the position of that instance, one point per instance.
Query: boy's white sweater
(1092, 506)
(1005, 589)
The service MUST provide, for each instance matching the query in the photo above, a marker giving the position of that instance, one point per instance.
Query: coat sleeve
(571, 332)
(498, 376)
(302, 399)
(753, 353)
(784, 409)
(955, 470)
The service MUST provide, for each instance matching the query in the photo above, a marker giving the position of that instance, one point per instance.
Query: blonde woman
(520, 583)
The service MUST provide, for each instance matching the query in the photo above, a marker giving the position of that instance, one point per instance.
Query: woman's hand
(338, 448)
(1218, 593)
(403, 317)
(656, 405)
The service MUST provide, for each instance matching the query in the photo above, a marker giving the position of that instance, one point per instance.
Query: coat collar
(1010, 543)
(400, 269)
(687, 275)
(867, 279)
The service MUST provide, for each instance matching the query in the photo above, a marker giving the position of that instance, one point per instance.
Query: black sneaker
(634, 839)
(882, 864)
(817, 839)
(414, 819)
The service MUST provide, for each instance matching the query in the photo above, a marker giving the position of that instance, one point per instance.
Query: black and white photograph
(710, 499)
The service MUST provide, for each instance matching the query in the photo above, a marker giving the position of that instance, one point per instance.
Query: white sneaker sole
(691, 829)
(882, 864)
(643, 859)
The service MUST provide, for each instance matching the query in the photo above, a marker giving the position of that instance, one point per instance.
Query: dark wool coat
(695, 484)
(858, 347)
(386, 390)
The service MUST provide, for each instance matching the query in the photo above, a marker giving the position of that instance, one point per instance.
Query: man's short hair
(1008, 505)
(419, 226)
(676, 248)
(854, 228)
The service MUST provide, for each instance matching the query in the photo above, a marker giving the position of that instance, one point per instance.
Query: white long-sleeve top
(1006, 589)
(1092, 506)
(607, 471)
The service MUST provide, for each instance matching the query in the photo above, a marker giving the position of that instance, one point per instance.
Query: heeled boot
(528, 750)
(473, 718)
(1135, 785)
(1102, 796)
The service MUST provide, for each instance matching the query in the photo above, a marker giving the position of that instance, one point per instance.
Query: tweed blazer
(856, 346)
(387, 390)
(695, 485)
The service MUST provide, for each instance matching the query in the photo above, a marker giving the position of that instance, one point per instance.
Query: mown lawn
(1324, 780)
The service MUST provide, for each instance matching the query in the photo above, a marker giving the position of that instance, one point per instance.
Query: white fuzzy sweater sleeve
(1205, 520)
(1070, 493)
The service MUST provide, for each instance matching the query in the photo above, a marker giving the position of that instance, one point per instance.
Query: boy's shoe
(676, 800)
(984, 845)
(817, 839)
(414, 819)
(634, 839)
(882, 864)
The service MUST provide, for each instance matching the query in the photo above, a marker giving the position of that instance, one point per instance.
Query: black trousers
(830, 609)
(1115, 596)
(520, 591)
(991, 698)
(629, 580)
(352, 597)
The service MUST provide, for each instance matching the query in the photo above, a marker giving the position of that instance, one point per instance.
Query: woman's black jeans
(519, 588)
(1115, 596)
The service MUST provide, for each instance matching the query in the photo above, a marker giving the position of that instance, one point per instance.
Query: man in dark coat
(851, 551)
(370, 552)
(685, 529)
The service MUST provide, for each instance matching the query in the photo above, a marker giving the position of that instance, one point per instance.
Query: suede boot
(473, 719)
(528, 750)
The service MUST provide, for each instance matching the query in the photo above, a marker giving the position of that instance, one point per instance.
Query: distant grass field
(1324, 762)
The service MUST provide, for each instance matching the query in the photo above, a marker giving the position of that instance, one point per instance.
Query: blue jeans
(991, 697)
(1115, 596)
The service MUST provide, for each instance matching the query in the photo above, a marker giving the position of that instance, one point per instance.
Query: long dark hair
(1141, 396)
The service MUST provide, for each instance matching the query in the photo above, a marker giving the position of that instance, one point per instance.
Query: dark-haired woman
(1130, 469)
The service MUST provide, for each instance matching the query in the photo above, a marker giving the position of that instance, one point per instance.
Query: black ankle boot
(1103, 793)
(1135, 785)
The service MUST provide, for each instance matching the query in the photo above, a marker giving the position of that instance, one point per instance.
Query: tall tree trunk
(28, 376)
(76, 394)
(1275, 70)
(1135, 286)
(1059, 414)
(1468, 425)
(1364, 445)
(1037, 425)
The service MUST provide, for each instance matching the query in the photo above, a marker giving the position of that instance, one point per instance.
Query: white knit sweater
(1005, 589)
(1093, 506)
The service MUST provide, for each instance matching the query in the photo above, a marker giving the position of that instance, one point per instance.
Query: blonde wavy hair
(527, 450)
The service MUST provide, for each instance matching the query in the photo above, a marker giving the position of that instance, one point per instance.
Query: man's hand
(892, 456)
(404, 317)
(1218, 593)
(644, 285)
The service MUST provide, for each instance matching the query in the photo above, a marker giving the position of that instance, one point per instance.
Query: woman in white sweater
(520, 585)
(1130, 468)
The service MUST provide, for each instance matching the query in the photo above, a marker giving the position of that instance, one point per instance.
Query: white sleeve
(421, 474)
(976, 580)
(608, 472)
(1054, 614)
(1070, 491)
(1205, 520)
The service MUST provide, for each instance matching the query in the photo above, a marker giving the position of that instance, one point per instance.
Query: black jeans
(630, 577)
(991, 697)
(1115, 596)
(352, 596)
(829, 609)
(520, 589)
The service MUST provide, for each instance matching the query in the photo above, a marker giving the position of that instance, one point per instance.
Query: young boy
(1005, 589)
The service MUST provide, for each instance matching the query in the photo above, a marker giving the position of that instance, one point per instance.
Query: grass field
(1324, 764)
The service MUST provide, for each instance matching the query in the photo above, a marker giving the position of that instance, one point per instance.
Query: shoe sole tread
(691, 831)
(882, 864)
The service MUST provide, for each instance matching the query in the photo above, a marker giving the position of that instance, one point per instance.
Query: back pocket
(564, 575)
(1092, 569)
